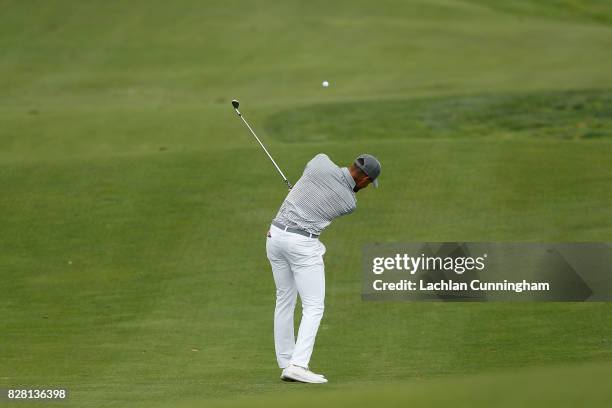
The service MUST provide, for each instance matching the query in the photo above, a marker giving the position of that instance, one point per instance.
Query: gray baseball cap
(370, 166)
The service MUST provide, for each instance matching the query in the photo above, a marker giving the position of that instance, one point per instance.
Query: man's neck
(349, 178)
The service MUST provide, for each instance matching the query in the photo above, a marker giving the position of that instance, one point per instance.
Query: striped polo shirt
(324, 192)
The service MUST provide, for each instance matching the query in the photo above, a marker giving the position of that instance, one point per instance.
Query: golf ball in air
(325, 84)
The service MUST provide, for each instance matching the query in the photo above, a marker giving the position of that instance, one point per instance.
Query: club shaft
(264, 148)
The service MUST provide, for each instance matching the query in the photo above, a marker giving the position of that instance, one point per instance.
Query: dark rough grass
(599, 11)
(574, 115)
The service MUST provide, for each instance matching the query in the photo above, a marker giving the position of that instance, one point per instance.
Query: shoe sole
(293, 379)
(282, 377)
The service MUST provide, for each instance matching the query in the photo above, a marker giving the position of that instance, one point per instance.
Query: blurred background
(134, 205)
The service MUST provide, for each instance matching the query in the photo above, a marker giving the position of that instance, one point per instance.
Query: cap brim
(375, 183)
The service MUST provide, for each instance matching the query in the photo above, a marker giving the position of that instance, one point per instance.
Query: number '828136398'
(35, 393)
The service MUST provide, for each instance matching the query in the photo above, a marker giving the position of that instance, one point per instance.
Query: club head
(235, 103)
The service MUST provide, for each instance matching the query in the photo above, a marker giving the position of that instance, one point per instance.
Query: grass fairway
(134, 205)
(554, 386)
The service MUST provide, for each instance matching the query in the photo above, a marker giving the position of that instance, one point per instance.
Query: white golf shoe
(301, 374)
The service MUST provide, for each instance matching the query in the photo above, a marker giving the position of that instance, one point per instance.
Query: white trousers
(297, 266)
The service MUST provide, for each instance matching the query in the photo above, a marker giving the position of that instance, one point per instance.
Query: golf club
(236, 104)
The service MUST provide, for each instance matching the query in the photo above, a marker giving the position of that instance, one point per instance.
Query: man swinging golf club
(324, 192)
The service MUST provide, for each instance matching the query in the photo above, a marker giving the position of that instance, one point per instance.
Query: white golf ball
(325, 84)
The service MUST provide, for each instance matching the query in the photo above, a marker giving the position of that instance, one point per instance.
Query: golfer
(324, 192)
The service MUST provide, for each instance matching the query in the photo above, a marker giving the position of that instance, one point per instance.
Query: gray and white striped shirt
(324, 192)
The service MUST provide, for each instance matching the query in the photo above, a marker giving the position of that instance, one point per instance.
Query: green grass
(580, 385)
(544, 115)
(134, 204)
(589, 11)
